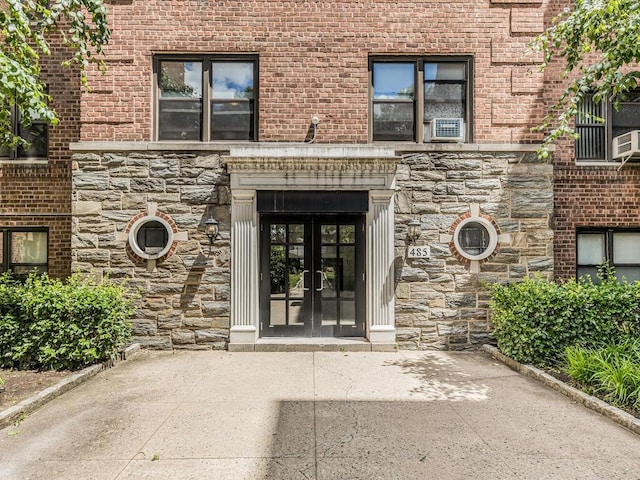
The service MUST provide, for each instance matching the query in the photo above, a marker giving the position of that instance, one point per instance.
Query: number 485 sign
(418, 251)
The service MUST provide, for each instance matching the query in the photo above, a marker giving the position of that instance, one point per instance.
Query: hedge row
(536, 320)
(48, 324)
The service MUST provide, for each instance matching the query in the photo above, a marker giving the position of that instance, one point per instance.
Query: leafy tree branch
(599, 41)
(26, 27)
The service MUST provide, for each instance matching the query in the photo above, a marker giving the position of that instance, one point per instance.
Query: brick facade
(38, 194)
(313, 61)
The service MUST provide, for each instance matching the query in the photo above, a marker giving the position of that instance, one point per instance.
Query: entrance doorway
(312, 275)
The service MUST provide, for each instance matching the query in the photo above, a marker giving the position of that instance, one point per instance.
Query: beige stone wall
(441, 302)
(184, 302)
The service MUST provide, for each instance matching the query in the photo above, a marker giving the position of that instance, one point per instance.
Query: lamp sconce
(414, 230)
(211, 229)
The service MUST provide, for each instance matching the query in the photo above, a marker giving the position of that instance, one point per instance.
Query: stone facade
(184, 301)
(440, 302)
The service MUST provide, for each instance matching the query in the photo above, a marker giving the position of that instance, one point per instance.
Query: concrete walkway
(406, 415)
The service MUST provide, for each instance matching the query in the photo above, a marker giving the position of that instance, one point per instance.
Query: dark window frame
(605, 143)
(419, 85)
(207, 99)
(5, 264)
(19, 153)
(608, 234)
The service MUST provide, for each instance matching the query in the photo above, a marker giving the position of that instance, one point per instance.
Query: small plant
(611, 372)
(48, 324)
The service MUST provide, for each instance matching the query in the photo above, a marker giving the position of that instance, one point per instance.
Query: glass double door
(312, 276)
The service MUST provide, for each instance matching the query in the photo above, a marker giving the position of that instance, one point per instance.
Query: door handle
(304, 281)
(321, 281)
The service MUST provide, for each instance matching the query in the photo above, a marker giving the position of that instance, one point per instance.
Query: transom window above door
(205, 98)
(421, 99)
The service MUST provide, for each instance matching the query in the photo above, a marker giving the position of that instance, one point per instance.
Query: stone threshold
(315, 344)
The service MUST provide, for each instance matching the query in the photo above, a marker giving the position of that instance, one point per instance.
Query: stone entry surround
(190, 300)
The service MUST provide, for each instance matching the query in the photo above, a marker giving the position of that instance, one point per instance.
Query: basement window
(24, 250)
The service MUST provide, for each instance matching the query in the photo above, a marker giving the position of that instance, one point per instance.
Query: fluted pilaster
(244, 268)
(380, 296)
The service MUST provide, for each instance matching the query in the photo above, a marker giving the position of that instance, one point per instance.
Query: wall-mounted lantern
(211, 229)
(414, 230)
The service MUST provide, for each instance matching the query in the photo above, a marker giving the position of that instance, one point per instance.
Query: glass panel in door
(339, 297)
(285, 298)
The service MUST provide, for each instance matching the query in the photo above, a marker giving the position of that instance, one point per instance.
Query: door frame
(312, 296)
(259, 167)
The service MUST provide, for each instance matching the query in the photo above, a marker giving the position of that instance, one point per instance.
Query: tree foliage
(599, 41)
(26, 27)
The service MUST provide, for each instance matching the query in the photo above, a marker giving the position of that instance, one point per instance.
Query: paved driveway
(406, 415)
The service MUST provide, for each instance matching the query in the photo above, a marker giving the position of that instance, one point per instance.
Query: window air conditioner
(447, 130)
(627, 146)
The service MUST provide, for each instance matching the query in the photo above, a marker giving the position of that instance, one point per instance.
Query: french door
(312, 275)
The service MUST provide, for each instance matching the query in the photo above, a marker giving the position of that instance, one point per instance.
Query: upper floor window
(439, 109)
(36, 135)
(599, 123)
(618, 247)
(206, 98)
(24, 250)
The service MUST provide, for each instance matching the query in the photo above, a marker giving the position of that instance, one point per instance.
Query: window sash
(24, 250)
(442, 89)
(37, 134)
(206, 120)
(617, 246)
(598, 123)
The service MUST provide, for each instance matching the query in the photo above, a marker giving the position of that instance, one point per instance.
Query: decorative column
(380, 298)
(244, 270)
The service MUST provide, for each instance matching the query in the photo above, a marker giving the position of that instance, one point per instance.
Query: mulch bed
(20, 385)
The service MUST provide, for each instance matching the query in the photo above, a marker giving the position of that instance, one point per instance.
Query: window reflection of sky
(232, 80)
(193, 77)
(393, 80)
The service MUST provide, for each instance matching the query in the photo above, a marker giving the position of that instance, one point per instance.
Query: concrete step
(322, 344)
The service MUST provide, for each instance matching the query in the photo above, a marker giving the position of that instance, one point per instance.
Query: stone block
(409, 274)
(83, 208)
(210, 336)
(182, 337)
(222, 293)
(196, 322)
(459, 300)
(84, 240)
(452, 328)
(95, 257)
(156, 342)
(131, 171)
(91, 181)
(164, 168)
(215, 308)
(540, 265)
(169, 320)
(147, 185)
(198, 194)
(407, 335)
(144, 327)
(119, 183)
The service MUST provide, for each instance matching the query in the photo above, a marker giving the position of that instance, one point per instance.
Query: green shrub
(611, 372)
(48, 324)
(536, 320)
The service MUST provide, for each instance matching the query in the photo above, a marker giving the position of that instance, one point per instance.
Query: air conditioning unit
(627, 146)
(447, 130)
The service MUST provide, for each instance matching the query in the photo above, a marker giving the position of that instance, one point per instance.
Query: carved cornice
(302, 164)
